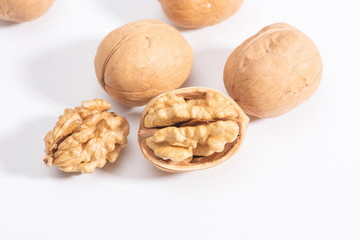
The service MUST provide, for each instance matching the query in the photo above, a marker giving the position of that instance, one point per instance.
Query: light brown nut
(23, 10)
(85, 137)
(200, 13)
(141, 60)
(182, 143)
(274, 71)
(191, 129)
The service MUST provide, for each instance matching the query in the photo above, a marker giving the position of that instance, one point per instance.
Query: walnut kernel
(85, 137)
(190, 129)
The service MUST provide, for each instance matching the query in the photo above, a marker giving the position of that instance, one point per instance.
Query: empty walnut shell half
(191, 129)
(85, 137)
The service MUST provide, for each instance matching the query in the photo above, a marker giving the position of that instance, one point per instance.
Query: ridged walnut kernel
(191, 129)
(85, 137)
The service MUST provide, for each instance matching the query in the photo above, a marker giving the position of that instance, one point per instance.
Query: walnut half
(191, 129)
(85, 137)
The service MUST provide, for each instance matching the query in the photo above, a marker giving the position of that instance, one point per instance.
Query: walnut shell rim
(215, 159)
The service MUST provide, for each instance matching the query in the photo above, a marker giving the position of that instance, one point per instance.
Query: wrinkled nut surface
(23, 10)
(85, 137)
(141, 60)
(191, 129)
(273, 71)
(200, 13)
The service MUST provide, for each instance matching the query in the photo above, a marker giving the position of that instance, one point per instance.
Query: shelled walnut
(191, 129)
(85, 137)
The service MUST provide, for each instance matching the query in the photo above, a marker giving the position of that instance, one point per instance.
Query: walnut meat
(182, 143)
(85, 137)
(191, 129)
(200, 13)
(141, 60)
(23, 10)
(273, 71)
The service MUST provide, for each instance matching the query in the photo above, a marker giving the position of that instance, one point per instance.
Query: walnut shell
(141, 60)
(191, 129)
(23, 10)
(200, 13)
(273, 71)
(85, 137)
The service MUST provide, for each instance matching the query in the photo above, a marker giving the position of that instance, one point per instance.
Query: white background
(295, 177)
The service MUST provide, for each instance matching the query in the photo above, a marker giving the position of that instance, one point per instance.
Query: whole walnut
(273, 71)
(23, 10)
(199, 13)
(141, 60)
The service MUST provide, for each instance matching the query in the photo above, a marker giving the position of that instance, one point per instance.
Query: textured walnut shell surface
(205, 162)
(200, 13)
(23, 10)
(273, 71)
(141, 60)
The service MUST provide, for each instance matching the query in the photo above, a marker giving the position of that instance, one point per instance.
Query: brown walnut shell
(273, 71)
(191, 111)
(140, 60)
(201, 13)
(23, 10)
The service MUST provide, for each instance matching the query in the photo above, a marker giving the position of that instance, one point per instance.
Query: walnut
(23, 10)
(199, 13)
(85, 137)
(274, 71)
(191, 129)
(140, 60)
(170, 109)
(182, 143)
